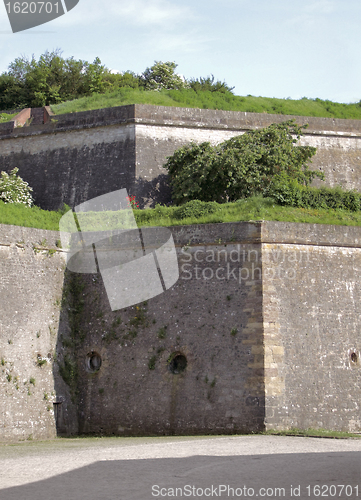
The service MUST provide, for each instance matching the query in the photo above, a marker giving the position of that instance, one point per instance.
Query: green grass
(313, 433)
(20, 215)
(252, 209)
(212, 100)
(5, 117)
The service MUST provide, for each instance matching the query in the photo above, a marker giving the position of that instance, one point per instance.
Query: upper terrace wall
(82, 155)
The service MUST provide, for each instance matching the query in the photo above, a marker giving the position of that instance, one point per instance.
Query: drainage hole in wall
(177, 363)
(354, 357)
(93, 362)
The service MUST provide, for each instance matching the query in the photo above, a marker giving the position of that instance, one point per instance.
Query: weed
(101, 391)
(162, 332)
(41, 361)
(3, 362)
(32, 381)
(151, 362)
(38, 334)
(68, 370)
(110, 336)
(58, 243)
(10, 341)
(43, 243)
(312, 432)
(117, 321)
(51, 252)
(46, 396)
(234, 331)
(9, 377)
(130, 335)
(228, 297)
(213, 383)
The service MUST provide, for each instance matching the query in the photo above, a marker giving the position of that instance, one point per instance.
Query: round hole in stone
(177, 363)
(93, 362)
(354, 357)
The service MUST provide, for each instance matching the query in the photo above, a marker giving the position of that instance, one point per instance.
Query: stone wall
(31, 283)
(264, 319)
(78, 156)
(214, 325)
(311, 308)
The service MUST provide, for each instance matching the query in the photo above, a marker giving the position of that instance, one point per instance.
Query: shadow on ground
(144, 479)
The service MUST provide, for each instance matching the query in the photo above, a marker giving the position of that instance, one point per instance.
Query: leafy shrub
(286, 191)
(14, 190)
(196, 209)
(240, 167)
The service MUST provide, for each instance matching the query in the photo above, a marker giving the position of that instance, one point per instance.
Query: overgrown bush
(286, 191)
(14, 190)
(196, 208)
(240, 167)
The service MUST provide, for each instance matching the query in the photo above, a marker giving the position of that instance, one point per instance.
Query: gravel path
(192, 467)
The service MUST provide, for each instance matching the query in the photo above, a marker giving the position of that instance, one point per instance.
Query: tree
(208, 84)
(161, 76)
(241, 166)
(50, 80)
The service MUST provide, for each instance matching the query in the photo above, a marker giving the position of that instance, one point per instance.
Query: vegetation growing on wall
(255, 208)
(190, 98)
(72, 85)
(240, 167)
(13, 189)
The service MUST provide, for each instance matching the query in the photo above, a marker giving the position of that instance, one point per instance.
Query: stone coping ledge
(252, 232)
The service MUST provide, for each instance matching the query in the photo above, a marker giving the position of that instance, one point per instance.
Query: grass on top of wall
(212, 100)
(6, 117)
(252, 209)
(21, 215)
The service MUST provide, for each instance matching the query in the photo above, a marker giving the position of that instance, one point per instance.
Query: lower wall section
(261, 330)
(31, 280)
(188, 361)
(312, 297)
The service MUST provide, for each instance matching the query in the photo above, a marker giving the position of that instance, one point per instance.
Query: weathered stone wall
(31, 280)
(82, 155)
(68, 163)
(311, 308)
(214, 322)
(266, 315)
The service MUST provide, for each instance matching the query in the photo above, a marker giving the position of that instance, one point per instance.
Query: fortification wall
(82, 155)
(215, 324)
(264, 314)
(31, 283)
(311, 308)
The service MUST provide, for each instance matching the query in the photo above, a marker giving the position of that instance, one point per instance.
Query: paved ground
(208, 467)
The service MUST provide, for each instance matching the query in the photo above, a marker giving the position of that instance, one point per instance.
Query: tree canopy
(53, 79)
(49, 80)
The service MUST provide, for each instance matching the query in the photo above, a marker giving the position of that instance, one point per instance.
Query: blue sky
(277, 48)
